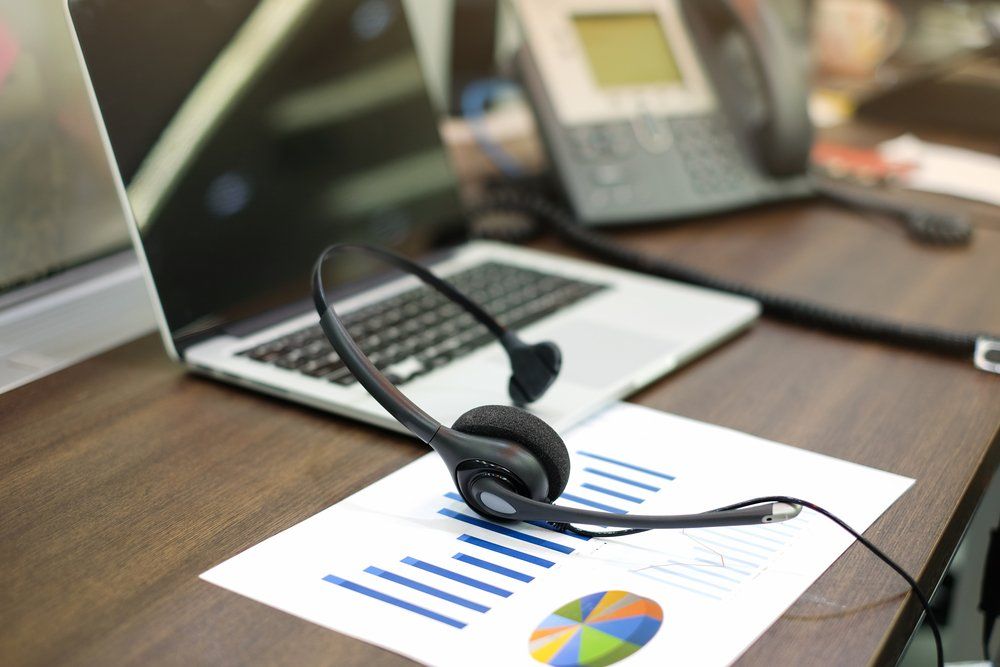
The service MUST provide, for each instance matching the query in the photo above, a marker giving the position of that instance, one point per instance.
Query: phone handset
(760, 77)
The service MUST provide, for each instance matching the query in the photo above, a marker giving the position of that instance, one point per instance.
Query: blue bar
(424, 588)
(690, 578)
(623, 480)
(542, 524)
(493, 567)
(610, 492)
(592, 503)
(749, 543)
(756, 531)
(507, 551)
(702, 538)
(402, 604)
(509, 532)
(725, 566)
(455, 576)
(616, 462)
(708, 570)
(778, 529)
(726, 557)
(677, 585)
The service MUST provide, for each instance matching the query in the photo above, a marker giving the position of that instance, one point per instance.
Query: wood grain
(123, 478)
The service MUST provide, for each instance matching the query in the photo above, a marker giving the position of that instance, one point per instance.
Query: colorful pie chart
(597, 630)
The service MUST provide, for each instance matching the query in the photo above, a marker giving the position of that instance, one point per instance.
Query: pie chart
(596, 630)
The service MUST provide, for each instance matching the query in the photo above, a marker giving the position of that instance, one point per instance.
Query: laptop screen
(251, 133)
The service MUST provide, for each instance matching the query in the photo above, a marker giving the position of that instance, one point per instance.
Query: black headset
(507, 463)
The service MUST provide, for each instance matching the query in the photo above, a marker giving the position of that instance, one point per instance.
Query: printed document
(406, 565)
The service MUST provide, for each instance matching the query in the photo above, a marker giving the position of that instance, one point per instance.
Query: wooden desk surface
(123, 478)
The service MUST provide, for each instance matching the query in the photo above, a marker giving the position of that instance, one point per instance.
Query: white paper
(719, 589)
(945, 169)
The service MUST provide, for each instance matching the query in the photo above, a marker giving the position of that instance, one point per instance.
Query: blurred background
(58, 206)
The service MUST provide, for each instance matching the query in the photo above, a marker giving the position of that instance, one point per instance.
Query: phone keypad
(597, 143)
(711, 155)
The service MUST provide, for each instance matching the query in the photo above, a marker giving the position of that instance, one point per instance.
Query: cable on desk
(926, 225)
(778, 306)
(924, 602)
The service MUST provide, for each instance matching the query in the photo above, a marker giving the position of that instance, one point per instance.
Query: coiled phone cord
(924, 602)
(790, 309)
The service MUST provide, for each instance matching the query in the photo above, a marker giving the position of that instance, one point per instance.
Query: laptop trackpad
(597, 355)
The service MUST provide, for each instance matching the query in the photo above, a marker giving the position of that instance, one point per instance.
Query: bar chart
(493, 561)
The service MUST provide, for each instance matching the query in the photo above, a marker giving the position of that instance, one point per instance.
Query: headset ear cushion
(516, 425)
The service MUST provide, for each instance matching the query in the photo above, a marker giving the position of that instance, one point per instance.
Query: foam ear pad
(509, 423)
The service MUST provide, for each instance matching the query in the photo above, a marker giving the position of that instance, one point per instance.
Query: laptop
(249, 134)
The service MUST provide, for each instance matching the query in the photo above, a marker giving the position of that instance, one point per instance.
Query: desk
(123, 478)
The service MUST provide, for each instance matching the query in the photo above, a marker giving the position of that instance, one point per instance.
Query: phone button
(621, 140)
(599, 198)
(653, 134)
(623, 195)
(588, 143)
(608, 174)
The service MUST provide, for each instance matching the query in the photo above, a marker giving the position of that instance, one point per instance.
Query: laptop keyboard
(417, 331)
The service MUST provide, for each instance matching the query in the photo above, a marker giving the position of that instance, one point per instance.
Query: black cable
(924, 602)
(924, 224)
(778, 306)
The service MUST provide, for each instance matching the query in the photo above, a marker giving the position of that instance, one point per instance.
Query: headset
(507, 463)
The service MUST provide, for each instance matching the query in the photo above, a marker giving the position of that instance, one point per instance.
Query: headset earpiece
(515, 425)
(534, 368)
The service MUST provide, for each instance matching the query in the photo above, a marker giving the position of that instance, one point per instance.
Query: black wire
(924, 602)
(926, 225)
(789, 309)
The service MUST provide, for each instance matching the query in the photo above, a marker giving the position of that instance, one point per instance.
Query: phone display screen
(627, 49)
